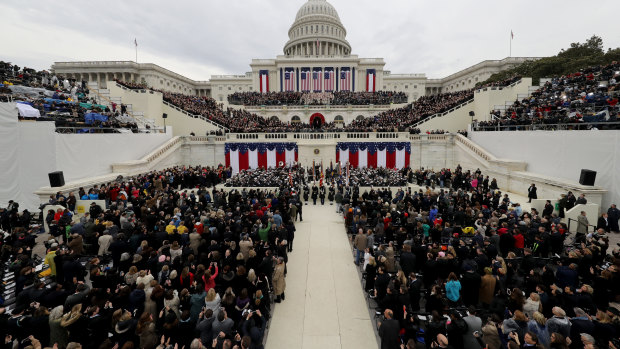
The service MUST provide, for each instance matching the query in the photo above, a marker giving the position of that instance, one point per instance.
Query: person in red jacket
(519, 241)
(209, 279)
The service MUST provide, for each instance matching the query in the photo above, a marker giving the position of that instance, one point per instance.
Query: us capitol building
(316, 58)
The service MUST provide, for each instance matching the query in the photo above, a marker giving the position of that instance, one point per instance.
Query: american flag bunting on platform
(316, 80)
(305, 80)
(345, 79)
(394, 155)
(329, 80)
(370, 80)
(264, 81)
(244, 156)
(289, 80)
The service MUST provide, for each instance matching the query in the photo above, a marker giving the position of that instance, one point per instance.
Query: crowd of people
(298, 176)
(268, 177)
(239, 120)
(169, 262)
(317, 98)
(65, 101)
(590, 95)
(401, 118)
(465, 267)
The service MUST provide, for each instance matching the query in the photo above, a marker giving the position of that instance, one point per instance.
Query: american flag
(305, 81)
(345, 80)
(316, 81)
(289, 81)
(329, 80)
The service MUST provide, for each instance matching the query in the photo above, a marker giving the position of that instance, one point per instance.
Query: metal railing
(442, 114)
(321, 107)
(320, 135)
(194, 115)
(583, 126)
(587, 225)
(94, 129)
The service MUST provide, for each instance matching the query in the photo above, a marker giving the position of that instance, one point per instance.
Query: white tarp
(27, 156)
(561, 154)
(27, 111)
(31, 150)
(9, 156)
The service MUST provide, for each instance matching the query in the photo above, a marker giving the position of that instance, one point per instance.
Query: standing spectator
(531, 192)
(603, 223)
(582, 226)
(360, 242)
(613, 215)
(389, 331)
(279, 281)
(453, 289)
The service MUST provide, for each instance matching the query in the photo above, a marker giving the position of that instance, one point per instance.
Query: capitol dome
(317, 31)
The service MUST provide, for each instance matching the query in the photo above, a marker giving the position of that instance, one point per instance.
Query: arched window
(274, 118)
(360, 117)
(339, 119)
(295, 119)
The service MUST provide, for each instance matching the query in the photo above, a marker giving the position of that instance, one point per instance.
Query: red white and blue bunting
(370, 154)
(244, 156)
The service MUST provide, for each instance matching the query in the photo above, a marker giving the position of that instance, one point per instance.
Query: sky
(202, 38)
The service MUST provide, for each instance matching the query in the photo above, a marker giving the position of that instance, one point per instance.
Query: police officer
(332, 193)
(322, 194)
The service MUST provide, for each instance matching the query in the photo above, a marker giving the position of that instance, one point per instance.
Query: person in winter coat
(453, 288)
(146, 330)
(537, 325)
(518, 324)
(531, 192)
(582, 224)
(559, 323)
(613, 215)
(279, 281)
(532, 305)
(487, 286)
(456, 329)
(58, 333)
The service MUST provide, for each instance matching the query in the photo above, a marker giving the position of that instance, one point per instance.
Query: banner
(370, 80)
(264, 81)
(244, 156)
(395, 155)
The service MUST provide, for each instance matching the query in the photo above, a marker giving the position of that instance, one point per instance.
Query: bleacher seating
(590, 95)
(43, 96)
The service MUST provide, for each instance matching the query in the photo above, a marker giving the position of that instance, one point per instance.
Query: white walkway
(325, 305)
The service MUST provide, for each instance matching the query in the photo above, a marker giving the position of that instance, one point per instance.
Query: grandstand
(316, 201)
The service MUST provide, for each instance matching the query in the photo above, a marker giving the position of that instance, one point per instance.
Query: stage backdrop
(243, 156)
(371, 154)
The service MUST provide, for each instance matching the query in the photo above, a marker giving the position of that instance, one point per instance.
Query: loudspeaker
(587, 177)
(165, 116)
(471, 113)
(57, 179)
